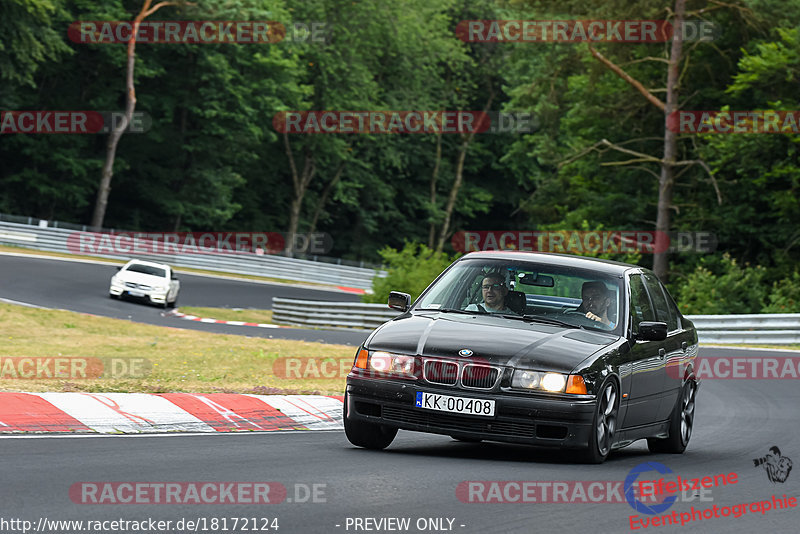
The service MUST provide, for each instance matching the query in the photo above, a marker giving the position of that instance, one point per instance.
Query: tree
(130, 105)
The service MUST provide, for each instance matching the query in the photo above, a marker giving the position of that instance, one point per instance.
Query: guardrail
(55, 240)
(330, 314)
(771, 329)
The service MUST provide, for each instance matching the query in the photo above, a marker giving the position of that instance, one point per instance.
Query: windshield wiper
(468, 312)
(546, 320)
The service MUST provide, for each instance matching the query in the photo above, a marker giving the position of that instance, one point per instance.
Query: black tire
(604, 424)
(681, 423)
(173, 303)
(113, 296)
(367, 435)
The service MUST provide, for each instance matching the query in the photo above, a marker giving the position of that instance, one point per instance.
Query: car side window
(663, 310)
(641, 309)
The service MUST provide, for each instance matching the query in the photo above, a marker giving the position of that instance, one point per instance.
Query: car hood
(494, 340)
(141, 278)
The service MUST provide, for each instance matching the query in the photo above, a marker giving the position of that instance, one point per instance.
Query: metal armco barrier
(772, 329)
(777, 329)
(55, 240)
(330, 314)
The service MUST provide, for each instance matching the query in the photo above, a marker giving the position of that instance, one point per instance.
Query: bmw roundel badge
(465, 352)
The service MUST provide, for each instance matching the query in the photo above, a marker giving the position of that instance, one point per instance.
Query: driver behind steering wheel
(597, 298)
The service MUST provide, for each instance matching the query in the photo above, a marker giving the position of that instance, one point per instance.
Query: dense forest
(599, 158)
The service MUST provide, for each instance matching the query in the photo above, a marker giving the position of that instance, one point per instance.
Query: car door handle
(684, 345)
(662, 352)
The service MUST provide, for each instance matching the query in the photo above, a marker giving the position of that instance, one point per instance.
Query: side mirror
(119, 268)
(399, 301)
(652, 331)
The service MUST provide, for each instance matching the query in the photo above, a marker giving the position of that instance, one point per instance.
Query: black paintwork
(638, 366)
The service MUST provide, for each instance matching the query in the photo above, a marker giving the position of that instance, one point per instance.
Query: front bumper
(519, 418)
(158, 296)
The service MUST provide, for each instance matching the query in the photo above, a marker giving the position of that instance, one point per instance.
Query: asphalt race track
(334, 487)
(417, 476)
(83, 287)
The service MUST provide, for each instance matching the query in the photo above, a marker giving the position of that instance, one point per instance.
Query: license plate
(135, 293)
(463, 405)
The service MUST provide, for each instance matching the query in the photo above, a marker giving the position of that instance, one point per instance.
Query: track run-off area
(309, 479)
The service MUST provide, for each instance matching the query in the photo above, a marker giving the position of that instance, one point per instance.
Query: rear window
(147, 269)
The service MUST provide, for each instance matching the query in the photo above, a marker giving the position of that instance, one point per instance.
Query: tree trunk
(434, 178)
(451, 201)
(324, 198)
(667, 179)
(113, 139)
(462, 155)
(300, 182)
(117, 130)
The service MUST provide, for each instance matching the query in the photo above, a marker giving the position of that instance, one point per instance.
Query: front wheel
(367, 435)
(604, 424)
(681, 423)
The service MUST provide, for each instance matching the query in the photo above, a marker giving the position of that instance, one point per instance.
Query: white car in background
(146, 279)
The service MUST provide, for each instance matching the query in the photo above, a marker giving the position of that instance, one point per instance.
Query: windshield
(528, 291)
(147, 269)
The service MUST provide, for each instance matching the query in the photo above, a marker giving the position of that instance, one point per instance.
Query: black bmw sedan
(544, 349)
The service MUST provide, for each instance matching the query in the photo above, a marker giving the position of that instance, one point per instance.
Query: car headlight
(526, 379)
(387, 363)
(552, 382)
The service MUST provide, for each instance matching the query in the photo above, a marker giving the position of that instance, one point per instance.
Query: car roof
(557, 260)
(150, 263)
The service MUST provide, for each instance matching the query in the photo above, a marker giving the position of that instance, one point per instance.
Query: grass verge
(179, 360)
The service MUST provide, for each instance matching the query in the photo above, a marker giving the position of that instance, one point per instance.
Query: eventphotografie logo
(776, 465)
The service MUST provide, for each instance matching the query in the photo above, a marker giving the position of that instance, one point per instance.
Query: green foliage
(785, 295)
(409, 270)
(721, 288)
(213, 160)
(30, 35)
